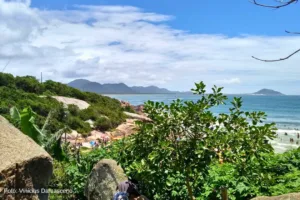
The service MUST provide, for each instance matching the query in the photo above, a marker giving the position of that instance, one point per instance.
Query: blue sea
(283, 110)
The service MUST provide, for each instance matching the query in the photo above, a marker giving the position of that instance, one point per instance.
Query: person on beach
(127, 190)
(97, 145)
(106, 141)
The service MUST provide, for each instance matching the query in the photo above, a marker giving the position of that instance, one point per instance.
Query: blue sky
(232, 18)
(170, 44)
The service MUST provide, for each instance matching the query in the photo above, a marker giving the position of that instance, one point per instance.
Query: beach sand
(283, 141)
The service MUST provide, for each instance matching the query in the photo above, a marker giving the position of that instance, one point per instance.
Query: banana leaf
(15, 115)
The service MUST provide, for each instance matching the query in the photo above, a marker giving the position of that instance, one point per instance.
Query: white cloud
(127, 44)
(229, 81)
(18, 23)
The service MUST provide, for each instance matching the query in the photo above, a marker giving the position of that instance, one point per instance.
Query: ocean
(282, 110)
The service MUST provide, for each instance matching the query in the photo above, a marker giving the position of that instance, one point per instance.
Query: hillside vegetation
(23, 92)
(180, 155)
(183, 153)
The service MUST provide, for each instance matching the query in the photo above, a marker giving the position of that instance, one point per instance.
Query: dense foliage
(73, 173)
(172, 154)
(23, 92)
(186, 152)
(25, 121)
(279, 174)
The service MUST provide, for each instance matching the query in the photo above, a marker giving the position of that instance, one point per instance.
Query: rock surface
(23, 164)
(139, 109)
(137, 116)
(103, 180)
(68, 101)
(123, 130)
(291, 196)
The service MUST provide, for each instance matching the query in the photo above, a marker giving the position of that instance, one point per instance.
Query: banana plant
(25, 121)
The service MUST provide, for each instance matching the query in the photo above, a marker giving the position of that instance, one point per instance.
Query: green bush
(24, 92)
(172, 155)
(129, 109)
(61, 180)
(27, 92)
(7, 80)
(73, 109)
(89, 113)
(226, 175)
(47, 93)
(80, 126)
(162, 159)
(74, 173)
(29, 84)
(103, 124)
(4, 109)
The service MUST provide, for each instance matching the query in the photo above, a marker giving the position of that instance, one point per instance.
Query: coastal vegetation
(28, 92)
(184, 152)
(185, 145)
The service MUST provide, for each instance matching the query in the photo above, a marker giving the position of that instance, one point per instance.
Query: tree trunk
(224, 193)
(190, 190)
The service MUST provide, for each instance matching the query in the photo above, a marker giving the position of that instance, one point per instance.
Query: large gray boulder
(25, 167)
(291, 196)
(103, 180)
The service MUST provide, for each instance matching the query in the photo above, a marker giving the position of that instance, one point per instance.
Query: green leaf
(15, 114)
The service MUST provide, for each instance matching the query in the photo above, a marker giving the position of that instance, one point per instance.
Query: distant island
(116, 88)
(267, 92)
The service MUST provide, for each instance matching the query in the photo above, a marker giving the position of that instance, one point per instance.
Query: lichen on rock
(103, 180)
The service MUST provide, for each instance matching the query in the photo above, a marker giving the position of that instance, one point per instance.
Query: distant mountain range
(121, 88)
(116, 88)
(267, 92)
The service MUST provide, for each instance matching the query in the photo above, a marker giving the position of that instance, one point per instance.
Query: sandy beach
(286, 139)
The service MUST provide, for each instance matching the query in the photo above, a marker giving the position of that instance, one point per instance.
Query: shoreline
(289, 131)
(285, 140)
(187, 93)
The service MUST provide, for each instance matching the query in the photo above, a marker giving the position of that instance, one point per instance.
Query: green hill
(26, 91)
(267, 92)
(116, 88)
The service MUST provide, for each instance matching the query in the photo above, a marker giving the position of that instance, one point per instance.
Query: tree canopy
(185, 138)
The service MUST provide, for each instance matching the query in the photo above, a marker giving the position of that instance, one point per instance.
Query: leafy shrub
(103, 124)
(176, 155)
(226, 176)
(47, 93)
(29, 84)
(74, 173)
(7, 80)
(4, 109)
(278, 175)
(172, 154)
(61, 180)
(89, 113)
(129, 109)
(73, 109)
(76, 124)
(24, 92)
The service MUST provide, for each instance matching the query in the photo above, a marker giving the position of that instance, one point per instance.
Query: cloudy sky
(161, 43)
